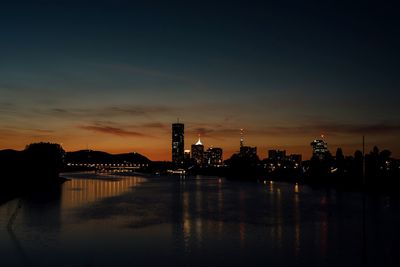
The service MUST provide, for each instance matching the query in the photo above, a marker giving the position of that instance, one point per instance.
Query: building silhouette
(187, 155)
(296, 158)
(213, 156)
(178, 143)
(276, 155)
(198, 152)
(246, 151)
(320, 148)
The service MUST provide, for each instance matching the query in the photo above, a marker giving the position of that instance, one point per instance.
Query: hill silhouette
(35, 168)
(39, 164)
(93, 156)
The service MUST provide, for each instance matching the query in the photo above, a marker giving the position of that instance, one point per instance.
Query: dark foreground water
(203, 221)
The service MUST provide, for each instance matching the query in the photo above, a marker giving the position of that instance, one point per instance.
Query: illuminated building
(296, 158)
(213, 156)
(277, 159)
(241, 138)
(198, 152)
(178, 143)
(246, 151)
(320, 148)
(187, 155)
(276, 155)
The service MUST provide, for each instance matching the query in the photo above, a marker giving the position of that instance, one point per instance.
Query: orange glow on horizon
(157, 146)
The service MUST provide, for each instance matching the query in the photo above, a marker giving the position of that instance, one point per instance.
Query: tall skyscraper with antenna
(241, 138)
(320, 147)
(198, 152)
(246, 151)
(178, 143)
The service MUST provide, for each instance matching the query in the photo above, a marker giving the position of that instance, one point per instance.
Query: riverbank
(18, 187)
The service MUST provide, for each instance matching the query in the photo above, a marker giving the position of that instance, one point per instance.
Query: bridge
(110, 166)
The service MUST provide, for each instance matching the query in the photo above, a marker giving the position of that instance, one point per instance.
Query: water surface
(109, 220)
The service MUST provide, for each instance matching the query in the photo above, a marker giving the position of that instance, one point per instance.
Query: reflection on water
(81, 190)
(96, 220)
(296, 215)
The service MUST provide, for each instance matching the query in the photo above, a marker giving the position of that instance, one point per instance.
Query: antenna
(364, 208)
(363, 153)
(241, 137)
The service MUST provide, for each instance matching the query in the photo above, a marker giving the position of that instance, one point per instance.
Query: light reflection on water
(113, 220)
(82, 191)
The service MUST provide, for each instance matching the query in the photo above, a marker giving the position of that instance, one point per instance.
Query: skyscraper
(246, 151)
(178, 143)
(320, 148)
(213, 156)
(276, 155)
(198, 152)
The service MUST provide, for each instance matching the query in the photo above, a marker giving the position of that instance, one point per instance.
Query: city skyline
(113, 75)
(263, 153)
(199, 133)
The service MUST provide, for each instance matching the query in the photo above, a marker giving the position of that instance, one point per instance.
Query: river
(112, 220)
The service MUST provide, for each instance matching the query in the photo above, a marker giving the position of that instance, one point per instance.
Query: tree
(372, 162)
(44, 160)
(340, 163)
(384, 155)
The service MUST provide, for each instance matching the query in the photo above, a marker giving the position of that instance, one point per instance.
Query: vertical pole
(364, 208)
(241, 137)
(363, 152)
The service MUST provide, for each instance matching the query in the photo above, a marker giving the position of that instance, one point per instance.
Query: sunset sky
(113, 75)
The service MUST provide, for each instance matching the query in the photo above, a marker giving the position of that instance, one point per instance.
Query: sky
(113, 75)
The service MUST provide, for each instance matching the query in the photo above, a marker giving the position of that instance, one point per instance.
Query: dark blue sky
(105, 73)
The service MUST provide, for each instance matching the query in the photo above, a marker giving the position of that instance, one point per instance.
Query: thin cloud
(203, 131)
(7, 106)
(310, 129)
(136, 110)
(111, 130)
(59, 110)
(217, 132)
(44, 131)
(154, 125)
(108, 111)
(370, 129)
(130, 69)
(333, 128)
